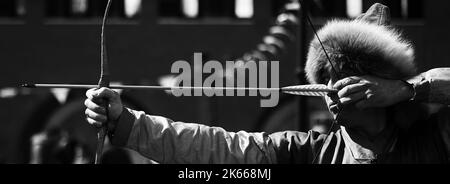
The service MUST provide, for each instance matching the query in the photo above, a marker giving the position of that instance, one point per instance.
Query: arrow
(301, 90)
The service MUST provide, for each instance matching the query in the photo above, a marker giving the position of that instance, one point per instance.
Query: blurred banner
(354, 8)
(78, 7)
(244, 9)
(132, 8)
(190, 8)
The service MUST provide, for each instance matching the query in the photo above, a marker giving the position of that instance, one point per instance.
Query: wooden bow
(104, 81)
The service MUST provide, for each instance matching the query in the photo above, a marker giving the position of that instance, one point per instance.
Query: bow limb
(104, 81)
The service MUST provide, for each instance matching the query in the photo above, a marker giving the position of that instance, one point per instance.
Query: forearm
(432, 86)
(165, 141)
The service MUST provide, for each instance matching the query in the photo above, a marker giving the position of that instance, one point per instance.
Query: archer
(379, 109)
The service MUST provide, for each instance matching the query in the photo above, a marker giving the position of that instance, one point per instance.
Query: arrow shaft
(136, 87)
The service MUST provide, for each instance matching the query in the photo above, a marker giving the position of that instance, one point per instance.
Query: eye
(324, 76)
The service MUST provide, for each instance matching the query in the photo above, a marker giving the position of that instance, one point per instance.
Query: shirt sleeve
(432, 86)
(167, 142)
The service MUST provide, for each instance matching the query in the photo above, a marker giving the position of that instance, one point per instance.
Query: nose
(332, 99)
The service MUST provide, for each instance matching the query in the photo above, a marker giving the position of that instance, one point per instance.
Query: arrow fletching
(309, 90)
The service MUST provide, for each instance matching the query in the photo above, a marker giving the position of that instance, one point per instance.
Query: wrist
(407, 91)
(421, 88)
(122, 128)
(118, 114)
(115, 120)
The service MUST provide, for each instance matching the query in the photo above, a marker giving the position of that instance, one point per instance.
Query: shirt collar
(370, 150)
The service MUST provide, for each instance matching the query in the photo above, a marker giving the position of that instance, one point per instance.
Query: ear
(377, 14)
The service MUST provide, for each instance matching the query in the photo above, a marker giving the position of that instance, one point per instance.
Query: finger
(353, 88)
(333, 96)
(334, 108)
(90, 93)
(94, 123)
(94, 107)
(101, 93)
(95, 116)
(345, 82)
(353, 98)
(105, 93)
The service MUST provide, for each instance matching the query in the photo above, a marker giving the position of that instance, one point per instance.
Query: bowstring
(308, 18)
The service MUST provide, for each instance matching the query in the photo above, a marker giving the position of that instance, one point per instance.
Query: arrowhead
(28, 86)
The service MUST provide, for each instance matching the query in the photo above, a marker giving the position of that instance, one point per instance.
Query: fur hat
(364, 46)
